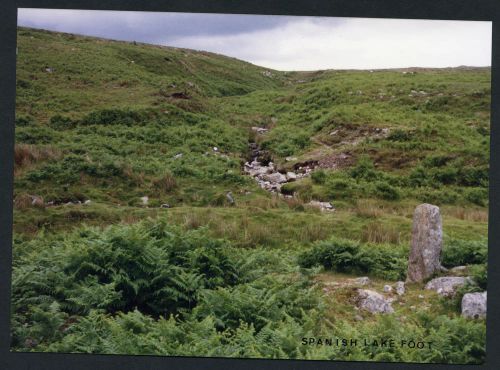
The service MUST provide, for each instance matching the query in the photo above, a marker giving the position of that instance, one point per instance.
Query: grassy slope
(104, 125)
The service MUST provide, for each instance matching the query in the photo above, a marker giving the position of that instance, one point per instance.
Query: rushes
(376, 232)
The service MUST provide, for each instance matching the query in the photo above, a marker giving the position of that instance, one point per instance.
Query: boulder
(400, 287)
(474, 305)
(447, 286)
(362, 280)
(291, 176)
(275, 177)
(229, 197)
(459, 269)
(426, 243)
(324, 206)
(373, 302)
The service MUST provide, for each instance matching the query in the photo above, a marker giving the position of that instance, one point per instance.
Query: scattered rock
(387, 288)
(145, 200)
(358, 318)
(275, 177)
(229, 197)
(291, 176)
(447, 286)
(323, 206)
(373, 302)
(179, 155)
(426, 244)
(400, 287)
(165, 205)
(215, 149)
(474, 305)
(291, 159)
(459, 269)
(362, 280)
(260, 130)
(37, 201)
(88, 201)
(420, 296)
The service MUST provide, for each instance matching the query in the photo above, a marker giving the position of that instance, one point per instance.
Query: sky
(287, 43)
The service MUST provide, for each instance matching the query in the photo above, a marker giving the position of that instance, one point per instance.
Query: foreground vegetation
(101, 124)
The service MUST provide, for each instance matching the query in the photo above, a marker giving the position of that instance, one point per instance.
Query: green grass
(112, 122)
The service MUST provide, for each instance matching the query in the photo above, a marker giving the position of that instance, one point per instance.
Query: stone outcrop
(373, 302)
(426, 243)
(448, 285)
(474, 305)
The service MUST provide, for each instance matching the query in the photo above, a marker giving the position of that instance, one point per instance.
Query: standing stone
(426, 243)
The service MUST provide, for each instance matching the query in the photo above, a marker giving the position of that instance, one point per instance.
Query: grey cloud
(146, 26)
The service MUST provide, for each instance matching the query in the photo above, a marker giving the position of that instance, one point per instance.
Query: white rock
(145, 200)
(365, 280)
(275, 177)
(459, 269)
(324, 206)
(373, 302)
(400, 287)
(447, 286)
(474, 305)
(291, 176)
(387, 288)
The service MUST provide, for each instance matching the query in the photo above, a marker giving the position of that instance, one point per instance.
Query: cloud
(288, 43)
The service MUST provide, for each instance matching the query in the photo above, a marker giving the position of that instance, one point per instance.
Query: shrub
(61, 122)
(446, 175)
(333, 254)
(150, 266)
(418, 177)
(400, 135)
(385, 191)
(318, 177)
(343, 255)
(365, 170)
(341, 188)
(477, 196)
(473, 176)
(116, 116)
(480, 275)
(436, 160)
(458, 252)
(23, 121)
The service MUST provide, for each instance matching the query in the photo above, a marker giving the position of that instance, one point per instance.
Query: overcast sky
(284, 42)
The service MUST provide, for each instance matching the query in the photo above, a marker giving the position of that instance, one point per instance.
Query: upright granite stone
(426, 243)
